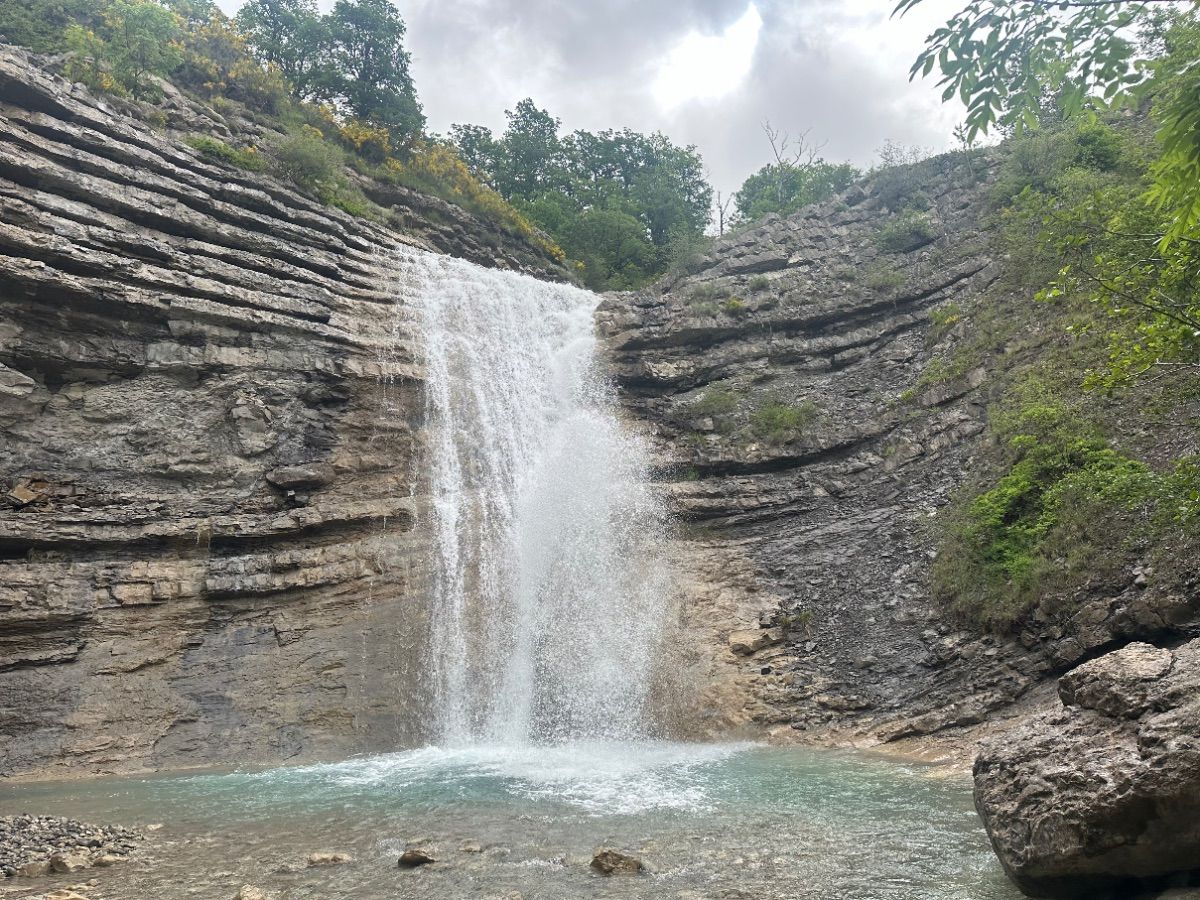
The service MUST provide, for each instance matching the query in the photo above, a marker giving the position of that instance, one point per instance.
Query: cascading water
(549, 588)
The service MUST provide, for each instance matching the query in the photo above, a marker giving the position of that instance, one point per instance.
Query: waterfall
(549, 584)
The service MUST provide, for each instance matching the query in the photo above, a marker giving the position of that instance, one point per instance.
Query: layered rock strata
(208, 486)
(817, 392)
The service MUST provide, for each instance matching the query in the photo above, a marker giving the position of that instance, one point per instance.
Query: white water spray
(549, 586)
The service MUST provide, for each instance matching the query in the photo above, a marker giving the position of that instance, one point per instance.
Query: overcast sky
(706, 72)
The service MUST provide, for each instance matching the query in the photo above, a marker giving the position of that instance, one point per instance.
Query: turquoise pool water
(719, 821)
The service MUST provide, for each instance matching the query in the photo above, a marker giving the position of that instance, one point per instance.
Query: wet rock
(412, 858)
(614, 862)
(62, 863)
(249, 892)
(317, 860)
(1104, 794)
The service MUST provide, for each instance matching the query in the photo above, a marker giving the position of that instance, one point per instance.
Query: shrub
(942, 320)
(1063, 506)
(759, 283)
(218, 151)
(735, 306)
(782, 422)
(905, 233)
(716, 402)
(308, 160)
(704, 293)
(884, 279)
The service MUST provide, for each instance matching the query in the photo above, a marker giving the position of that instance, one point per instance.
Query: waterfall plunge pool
(709, 821)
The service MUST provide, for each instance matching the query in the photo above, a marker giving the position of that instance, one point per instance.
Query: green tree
(477, 147)
(143, 43)
(531, 158)
(1004, 58)
(291, 36)
(369, 77)
(136, 41)
(41, 25)
(620, 202)
(614, 248)
(786, 188)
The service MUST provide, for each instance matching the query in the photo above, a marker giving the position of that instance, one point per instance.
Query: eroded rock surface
(1102, 797)
(816, 395)
(208, 414)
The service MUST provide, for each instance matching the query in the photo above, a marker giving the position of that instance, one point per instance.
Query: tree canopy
(617, 201)
(1005, 59)
(1131, 243)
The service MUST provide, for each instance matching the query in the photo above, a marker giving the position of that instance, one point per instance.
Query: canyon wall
(208, 474)
(818, 387)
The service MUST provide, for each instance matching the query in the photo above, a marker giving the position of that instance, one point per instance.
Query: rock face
(1104, 796)
(208, 406)
(815, 396)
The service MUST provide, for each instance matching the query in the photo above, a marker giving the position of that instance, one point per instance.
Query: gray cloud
(835, 68)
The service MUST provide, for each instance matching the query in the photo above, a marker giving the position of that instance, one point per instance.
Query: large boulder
(1102, 797)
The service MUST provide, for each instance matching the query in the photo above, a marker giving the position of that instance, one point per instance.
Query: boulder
(34, 869)
(614, 862)
(69, 862)
(1103, 796)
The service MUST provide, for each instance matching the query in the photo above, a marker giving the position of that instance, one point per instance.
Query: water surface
(709, 821)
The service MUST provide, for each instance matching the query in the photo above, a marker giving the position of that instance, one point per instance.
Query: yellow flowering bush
(435, 167)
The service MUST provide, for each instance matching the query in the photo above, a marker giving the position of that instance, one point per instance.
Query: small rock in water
(329, 859)
(614, 862)
(412, 858)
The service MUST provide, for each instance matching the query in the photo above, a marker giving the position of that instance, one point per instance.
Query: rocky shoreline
(32, 846)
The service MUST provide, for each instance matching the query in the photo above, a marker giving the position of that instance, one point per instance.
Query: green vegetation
(1058, 505)
(906, 232)
(942, 320)
(248, 158)
(133, 43)
(883, 278)
(782, 422)
(785, 187)
(1066, 507)
(716, 402)
(626, 206)
(1005, 58)
(798, 177)
(759, 283)
(337, 86)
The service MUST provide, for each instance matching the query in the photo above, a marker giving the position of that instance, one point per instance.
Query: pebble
(412, 858)
(31, 846)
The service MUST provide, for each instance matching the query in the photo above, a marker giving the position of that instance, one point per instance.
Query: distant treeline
(623, 206)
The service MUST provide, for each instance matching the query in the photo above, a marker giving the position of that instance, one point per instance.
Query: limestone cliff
(788, 379)
(207, 478)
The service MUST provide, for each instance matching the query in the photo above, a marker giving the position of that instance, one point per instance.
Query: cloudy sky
(706, 72)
